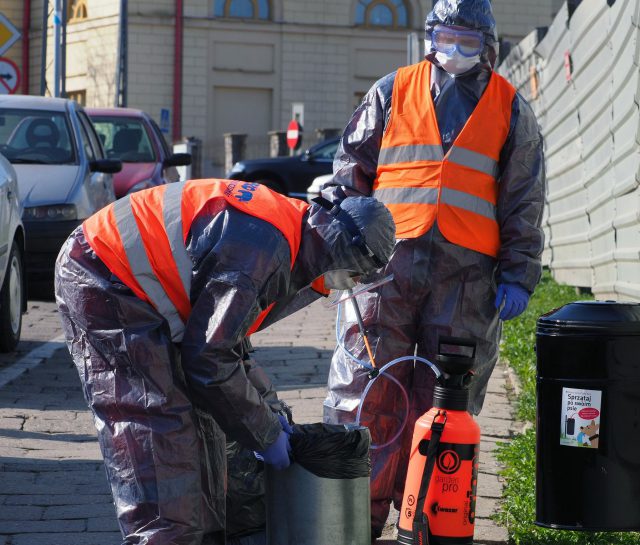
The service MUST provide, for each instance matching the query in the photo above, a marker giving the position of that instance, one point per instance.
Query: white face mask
(456, 63)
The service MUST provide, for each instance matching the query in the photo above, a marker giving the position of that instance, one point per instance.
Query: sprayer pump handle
(456, 361)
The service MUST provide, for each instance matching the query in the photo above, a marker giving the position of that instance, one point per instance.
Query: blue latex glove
(515, 300)
(285, 424)
(277, 454)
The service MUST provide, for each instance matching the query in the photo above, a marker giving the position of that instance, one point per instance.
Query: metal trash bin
(304, 508)
(588, 417)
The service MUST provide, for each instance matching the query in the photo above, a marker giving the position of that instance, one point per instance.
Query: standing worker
(157, 293)
(455, 153)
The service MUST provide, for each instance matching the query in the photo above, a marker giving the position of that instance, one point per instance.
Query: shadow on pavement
(41, 290)
(294, 367)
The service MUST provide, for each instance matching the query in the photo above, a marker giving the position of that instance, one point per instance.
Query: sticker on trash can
(580, 419)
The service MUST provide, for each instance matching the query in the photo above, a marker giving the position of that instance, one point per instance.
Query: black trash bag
(259, 538)
(213, 468)
(333, 451)
(245, 491)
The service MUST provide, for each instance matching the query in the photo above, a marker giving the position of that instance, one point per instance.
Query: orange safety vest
(419, 184)
(142, 237)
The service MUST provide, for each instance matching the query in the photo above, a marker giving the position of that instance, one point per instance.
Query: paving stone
(56, 478)
(39, 526)
(489, 486)
(486, 507)
(103, 524)
(496, 406)
(495, 427)
(94, 510)
(20, 512)
(489, 464)
(56, 499)
(70, 425)
(11, 424)
(496, 385)
(487, 532)
(85, 538)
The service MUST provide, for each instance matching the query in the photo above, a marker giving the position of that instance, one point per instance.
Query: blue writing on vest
(245, 194)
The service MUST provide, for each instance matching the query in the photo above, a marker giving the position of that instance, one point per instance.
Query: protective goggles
(445, 39)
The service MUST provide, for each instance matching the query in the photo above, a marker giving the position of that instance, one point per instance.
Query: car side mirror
(108, 166)
(177, 160)
(308, 156)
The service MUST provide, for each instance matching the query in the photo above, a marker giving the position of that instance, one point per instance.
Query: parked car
(134, 138)
(62, 172)
(288, 175)
(13, 301)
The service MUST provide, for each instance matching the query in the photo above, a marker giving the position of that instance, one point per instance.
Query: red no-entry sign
(293, 134)
(9, 76)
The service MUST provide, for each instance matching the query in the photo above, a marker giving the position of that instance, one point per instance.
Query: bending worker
(455, 153)
(157, 293)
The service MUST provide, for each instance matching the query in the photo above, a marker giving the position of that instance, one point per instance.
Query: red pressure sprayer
(439, 500)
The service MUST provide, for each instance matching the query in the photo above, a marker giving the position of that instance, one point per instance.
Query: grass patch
(518, 510)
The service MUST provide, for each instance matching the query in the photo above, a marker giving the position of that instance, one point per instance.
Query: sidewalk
(53, 489)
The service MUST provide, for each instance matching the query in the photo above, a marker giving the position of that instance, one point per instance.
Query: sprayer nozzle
(374, 373)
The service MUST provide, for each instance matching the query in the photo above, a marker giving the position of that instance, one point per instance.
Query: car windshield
(125, 138)
(36, 137)
(325, 151)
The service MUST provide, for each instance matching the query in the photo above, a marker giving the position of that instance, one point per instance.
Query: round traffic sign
(294, 138)
(9, 76)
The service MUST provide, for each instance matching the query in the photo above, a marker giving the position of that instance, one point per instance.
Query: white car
(12, 278)
(313, 190)
(62, 171)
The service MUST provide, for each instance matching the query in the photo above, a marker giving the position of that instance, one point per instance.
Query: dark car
(289, 175)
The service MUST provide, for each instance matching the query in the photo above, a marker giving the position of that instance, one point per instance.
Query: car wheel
(273, 185)
(11, 302)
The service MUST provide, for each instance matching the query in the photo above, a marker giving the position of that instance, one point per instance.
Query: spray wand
(363, 331)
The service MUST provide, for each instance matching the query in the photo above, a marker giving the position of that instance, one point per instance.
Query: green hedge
(518, 511)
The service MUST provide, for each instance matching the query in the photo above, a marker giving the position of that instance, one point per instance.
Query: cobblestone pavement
(53, 490)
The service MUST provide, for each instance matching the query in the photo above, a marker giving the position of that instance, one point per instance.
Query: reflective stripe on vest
(172, 215)
(421, 185)
(141, 268)
(141, 237)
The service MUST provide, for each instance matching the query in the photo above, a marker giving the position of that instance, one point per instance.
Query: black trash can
(588, 417)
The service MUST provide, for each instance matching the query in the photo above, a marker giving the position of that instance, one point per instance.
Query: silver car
(12, 280)
(63, 174)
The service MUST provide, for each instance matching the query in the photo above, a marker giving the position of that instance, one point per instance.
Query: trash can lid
(594, 317)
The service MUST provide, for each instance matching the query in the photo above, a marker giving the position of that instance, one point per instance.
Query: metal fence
(582, 79)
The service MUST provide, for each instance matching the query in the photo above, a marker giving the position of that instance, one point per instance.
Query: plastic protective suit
(162, 409)
(439, 288)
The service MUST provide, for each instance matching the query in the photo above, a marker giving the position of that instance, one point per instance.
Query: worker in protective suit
(455, 153)
(157, 293)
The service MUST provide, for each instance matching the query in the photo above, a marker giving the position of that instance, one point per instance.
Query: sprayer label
(580, 418)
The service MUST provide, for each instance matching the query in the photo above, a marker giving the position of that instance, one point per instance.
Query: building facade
(245, 66)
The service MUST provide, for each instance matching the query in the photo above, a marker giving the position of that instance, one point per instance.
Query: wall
(516, 18)
(590, 122)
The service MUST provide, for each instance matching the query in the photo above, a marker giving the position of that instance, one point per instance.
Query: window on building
(79, 96)
(244, 9)
(77, 11)
(382, 13)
